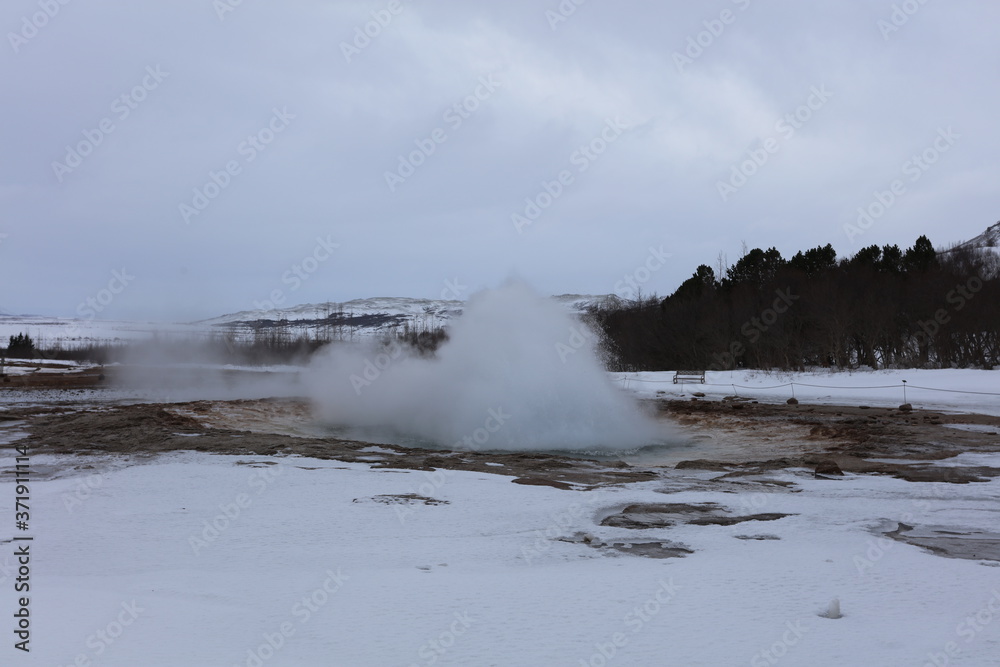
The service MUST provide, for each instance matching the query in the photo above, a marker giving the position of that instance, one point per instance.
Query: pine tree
(21, 345)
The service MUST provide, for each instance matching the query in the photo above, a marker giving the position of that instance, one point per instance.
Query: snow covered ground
(431, 312)
(197, 559)
(950, 389)
(193, 559)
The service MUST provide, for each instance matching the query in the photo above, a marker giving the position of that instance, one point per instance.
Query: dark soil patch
(402, 499)
(665, 515)
(950, 542)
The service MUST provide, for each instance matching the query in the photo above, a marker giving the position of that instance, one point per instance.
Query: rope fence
(904, 386)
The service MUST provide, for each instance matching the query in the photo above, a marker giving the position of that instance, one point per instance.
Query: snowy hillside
(987, 242)
(402, 308)
(988, 239)
(363, 317)
(347, 320)
(392, 306)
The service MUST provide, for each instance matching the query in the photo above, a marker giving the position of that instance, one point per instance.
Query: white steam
(518, 373)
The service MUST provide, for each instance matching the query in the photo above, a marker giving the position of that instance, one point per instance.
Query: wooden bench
(689, 376)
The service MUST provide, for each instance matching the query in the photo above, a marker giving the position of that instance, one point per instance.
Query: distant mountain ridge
(370, 316)
(357, 319)
(987, 247)
(396, 306)
(988, 239)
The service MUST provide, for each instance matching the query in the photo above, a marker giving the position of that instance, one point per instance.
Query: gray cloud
(324, 174)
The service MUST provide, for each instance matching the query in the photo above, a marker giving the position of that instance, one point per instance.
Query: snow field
(934, 389)
(295, 572)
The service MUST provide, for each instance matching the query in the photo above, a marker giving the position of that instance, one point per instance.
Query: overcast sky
(121, 119)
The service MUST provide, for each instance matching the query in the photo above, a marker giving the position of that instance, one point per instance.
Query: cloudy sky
(201, 157)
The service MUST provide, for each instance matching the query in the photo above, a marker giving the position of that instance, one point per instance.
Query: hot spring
(518, 373)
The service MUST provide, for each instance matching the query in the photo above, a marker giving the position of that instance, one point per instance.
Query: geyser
(519, 372)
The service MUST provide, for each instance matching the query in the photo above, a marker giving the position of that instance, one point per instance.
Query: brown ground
(743, 443)
(741, 439)
(856, 438)
(147, 429)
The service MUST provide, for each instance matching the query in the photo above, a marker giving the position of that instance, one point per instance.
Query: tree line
(883, 307)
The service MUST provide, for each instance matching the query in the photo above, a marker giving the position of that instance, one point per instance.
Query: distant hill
(986, 246)
(350, 320)
(990, 239)
(372, 316)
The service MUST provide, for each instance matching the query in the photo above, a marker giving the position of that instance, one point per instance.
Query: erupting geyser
(518, 373)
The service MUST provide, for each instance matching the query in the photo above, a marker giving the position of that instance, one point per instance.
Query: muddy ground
(743, 445)
(857, 439)
(742, 438)
(149, 429)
